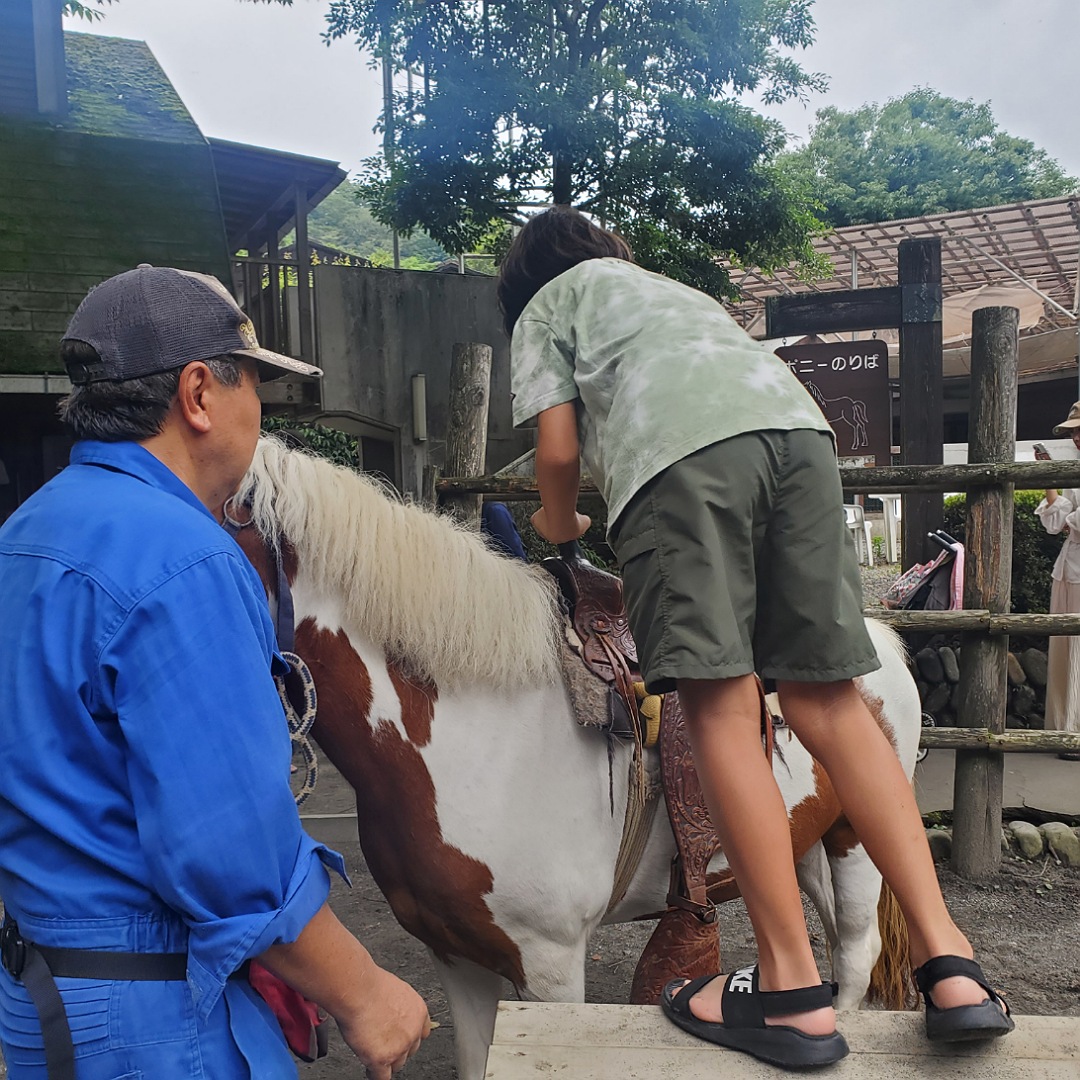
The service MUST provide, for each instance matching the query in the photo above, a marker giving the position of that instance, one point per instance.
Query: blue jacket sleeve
(188, 672)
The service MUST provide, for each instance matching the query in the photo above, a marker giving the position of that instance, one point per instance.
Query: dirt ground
(1025, 926)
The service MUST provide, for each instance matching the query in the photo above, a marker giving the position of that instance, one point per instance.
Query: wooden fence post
(466, 425)
(977, 785)
(921, 396)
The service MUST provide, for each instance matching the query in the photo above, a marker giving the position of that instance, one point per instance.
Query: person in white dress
(1059, 512)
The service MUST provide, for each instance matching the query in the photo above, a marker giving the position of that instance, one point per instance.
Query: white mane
(431, 593)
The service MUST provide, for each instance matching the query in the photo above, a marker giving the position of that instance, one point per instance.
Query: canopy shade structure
(1024, 255)
(261, 189)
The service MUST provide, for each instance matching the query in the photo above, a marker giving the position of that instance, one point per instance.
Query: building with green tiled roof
(123, 177)
(102, 167)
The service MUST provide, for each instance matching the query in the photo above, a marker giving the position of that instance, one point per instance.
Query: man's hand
(562, 531)
(383, 1019)
(388, 1027)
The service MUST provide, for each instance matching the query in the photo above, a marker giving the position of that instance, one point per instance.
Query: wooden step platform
(631, 1042)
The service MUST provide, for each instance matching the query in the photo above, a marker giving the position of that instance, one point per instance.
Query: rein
(284, 620)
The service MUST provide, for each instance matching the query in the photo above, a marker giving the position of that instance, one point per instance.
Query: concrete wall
(378, 328)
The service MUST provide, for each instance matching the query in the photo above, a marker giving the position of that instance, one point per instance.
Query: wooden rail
(945, 622)
(1024, 475)
(1015, 742)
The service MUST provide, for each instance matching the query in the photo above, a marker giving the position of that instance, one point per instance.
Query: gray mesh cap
(156, 318)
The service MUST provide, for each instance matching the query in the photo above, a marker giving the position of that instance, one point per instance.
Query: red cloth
(301, 1023)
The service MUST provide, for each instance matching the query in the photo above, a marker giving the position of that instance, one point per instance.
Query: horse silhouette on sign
(849, 410)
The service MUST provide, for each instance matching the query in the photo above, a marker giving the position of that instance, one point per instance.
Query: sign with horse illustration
(850, 382)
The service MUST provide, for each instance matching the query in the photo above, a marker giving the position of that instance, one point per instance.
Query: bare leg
(833, 723)
(723, 721)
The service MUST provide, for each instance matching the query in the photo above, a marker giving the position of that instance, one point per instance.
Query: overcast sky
(260, 74)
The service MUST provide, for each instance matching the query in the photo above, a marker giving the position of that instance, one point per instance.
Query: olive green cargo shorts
(738, 559)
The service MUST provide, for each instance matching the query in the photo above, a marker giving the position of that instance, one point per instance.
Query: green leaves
(919, 154)
(625, 108)
(335, 446)
(84, 11)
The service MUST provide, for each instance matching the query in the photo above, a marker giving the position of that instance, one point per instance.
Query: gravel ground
(876, 580)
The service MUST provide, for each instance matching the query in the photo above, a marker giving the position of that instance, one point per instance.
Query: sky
(260, 74)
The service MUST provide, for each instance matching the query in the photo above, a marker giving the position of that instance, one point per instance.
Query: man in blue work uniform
(149, 842)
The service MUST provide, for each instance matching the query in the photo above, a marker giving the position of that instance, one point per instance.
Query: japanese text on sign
(842, 362)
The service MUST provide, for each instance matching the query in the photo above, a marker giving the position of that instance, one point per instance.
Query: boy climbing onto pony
(725, 514)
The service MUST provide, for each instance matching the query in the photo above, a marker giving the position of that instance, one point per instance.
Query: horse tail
(891, 983)
(859, 409)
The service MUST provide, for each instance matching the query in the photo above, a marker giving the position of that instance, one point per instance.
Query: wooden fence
(989, 479)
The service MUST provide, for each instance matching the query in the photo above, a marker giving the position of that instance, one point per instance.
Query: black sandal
(745, 1008)
(962, 1023)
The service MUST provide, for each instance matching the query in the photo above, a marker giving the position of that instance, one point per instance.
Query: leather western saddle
(685, 942)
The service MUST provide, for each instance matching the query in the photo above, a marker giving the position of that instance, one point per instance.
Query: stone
(1023, 701)
(1015, 671)
(1029, 841)
(1033, 661)
(954, 699)
(940, 841)
(950, 665)
(1006, 848)
(929, 665)
(1036, 721)
(938, 698)
(1014, 722)
(1062, 841)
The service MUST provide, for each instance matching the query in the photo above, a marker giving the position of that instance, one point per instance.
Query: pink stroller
(937, 585)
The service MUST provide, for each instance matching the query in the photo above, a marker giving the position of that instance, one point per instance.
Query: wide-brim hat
(1070, 423)
(157, 318)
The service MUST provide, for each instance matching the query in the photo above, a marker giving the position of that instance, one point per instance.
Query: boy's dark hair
(549, 245)
(127, 411)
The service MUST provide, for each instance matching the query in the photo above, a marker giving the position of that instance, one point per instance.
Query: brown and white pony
(485, 810)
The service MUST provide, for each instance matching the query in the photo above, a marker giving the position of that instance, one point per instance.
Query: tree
(922, 153)
(625, 108)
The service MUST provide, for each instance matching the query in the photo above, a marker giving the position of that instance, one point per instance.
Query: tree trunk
(562, 180)
(466, 430)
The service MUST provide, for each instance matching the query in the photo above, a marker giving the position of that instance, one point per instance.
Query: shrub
(1034, 550)
(594, 543)
(337, 446)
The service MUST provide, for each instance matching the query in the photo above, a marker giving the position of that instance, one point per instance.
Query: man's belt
(38, 967)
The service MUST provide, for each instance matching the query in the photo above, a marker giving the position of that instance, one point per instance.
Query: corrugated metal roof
(1035, 242)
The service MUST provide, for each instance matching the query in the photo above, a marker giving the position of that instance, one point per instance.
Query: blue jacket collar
(136, 461)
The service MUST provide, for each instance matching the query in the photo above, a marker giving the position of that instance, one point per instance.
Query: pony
(849, 410)
(492, 821)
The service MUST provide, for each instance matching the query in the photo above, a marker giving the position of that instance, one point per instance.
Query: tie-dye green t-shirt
(658, 369)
